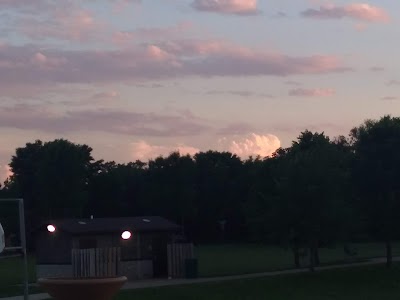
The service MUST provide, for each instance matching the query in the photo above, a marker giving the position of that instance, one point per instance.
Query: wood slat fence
(177, 254)
(99, 262)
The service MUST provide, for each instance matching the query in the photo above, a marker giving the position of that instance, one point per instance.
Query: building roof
(114, 225)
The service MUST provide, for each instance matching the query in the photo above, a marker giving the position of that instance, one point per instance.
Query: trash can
(191, 268)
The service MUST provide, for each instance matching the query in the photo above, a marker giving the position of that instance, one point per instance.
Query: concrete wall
(54, 271)
(139, 269)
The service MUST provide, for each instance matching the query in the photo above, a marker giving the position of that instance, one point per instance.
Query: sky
(134, 79)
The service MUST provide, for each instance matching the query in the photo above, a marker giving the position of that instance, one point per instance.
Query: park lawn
(215, 260)
(11, 276)
(220, 260)
(357, 283)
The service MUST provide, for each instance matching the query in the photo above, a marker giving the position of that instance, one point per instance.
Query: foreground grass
(11, 276)
(216, 260)
(358, 283)
(219, 260)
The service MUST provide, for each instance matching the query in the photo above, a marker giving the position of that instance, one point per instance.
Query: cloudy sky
(135, 79)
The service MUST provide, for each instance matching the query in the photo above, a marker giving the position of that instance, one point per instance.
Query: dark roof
(114, 225)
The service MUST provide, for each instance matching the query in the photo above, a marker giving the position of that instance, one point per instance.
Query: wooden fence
(99, 262)
(177, 254)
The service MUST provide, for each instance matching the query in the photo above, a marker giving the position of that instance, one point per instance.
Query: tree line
(315, 193)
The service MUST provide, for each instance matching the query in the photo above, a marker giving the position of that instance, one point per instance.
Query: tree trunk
(388, 254)
(312, 258)
(316, 256)
(296, 255)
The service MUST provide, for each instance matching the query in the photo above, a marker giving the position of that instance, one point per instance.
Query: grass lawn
(219, 260)
(358, 283)
(216, 260)
(11, 275)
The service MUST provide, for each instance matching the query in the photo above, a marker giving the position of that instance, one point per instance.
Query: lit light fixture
(51, 228)
(126, 235)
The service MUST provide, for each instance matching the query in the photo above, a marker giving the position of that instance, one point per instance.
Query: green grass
(219, 260)
(216, 260)
(358, 283)
(11, 276)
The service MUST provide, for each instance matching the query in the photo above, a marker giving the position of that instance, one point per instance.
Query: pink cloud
(236, 129)
(292, 82)
(151, 33)
(251, 145)
(243, 146)
(72, 24)
(32, 66)
(312, 92)
(30, 117)
(239, 93)
(377, 69)
(237, 7)
(390, 98)
(107, 95)
(123, 37)
(393, 82)
(60, 20)
(358, 11)
(44, 61)
(28, 6)
(144, 151)
(5, 172)
(360, 27)
(99, 99)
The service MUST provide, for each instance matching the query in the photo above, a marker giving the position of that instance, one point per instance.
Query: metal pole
(139, 269)
(23, 245)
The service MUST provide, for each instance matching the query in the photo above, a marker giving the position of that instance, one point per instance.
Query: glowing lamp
(126, 235)
(51, 228)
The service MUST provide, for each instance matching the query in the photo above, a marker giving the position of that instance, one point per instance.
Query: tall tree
(220, 195)
(117, 189)
(377, 171)
(309, 207)
(171, 188)
(52, 177)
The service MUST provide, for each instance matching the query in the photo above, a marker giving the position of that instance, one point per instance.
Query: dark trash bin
(191, 268)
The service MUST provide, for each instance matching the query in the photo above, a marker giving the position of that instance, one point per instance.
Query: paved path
(170, 282)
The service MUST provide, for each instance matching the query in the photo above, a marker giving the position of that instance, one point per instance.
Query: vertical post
(139, 254)
(23, 246)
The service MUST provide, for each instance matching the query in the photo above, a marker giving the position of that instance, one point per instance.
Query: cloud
(393, 82)
(27, 6)
(357, 11)
(312, 92)
(43, 20)
(97, 99)
(245, 94)
(243, 146)
(107, 95)
(377, 69)
(5, 172)
(22, 66)
(252, 145)
(144, 151)
(292, 82)
(29, 117)
(360, 27)
(235, 7)
(236, 129)
(146, 34)
(390, 98)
